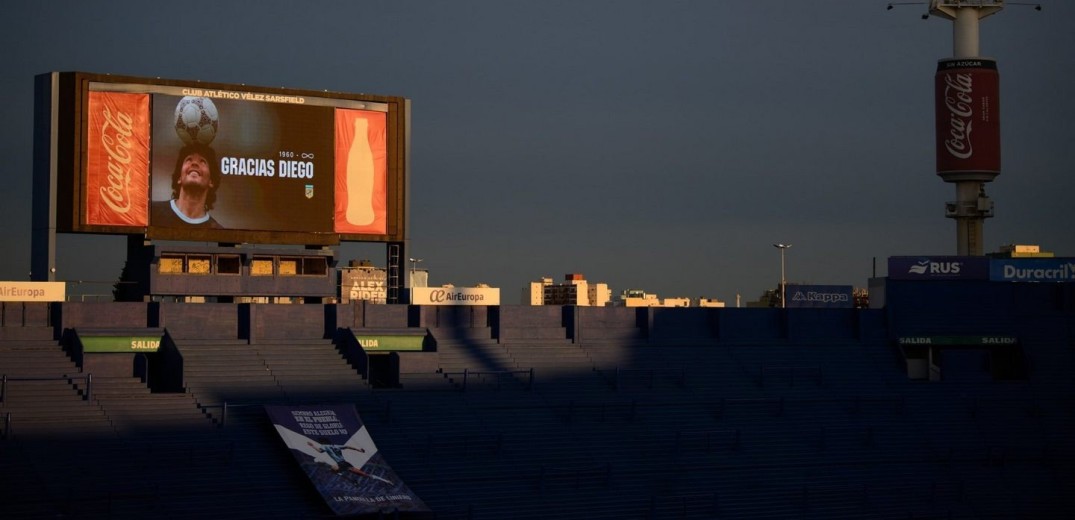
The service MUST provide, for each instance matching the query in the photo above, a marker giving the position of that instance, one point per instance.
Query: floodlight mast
(971, 206)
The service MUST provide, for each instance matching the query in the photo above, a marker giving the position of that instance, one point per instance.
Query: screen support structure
(43, 233)
(395, 282)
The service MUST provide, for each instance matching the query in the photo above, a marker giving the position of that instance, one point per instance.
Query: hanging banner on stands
(334, 449)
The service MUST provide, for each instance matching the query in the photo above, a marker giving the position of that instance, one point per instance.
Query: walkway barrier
(467, 373)
(70, 379)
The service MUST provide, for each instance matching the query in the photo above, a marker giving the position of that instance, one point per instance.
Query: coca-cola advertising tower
(968, 119)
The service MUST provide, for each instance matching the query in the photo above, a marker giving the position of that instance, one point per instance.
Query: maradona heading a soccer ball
(196, 120)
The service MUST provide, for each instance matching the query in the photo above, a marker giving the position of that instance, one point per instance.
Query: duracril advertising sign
(455, 296)
(1048, 270)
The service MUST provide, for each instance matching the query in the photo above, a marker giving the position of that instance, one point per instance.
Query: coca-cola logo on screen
(116, 132)
(959, 100)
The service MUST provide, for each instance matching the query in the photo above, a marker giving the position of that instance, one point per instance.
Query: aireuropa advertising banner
(938, 268)
(335, 450)
(968, 119)
(455, 296)
(1052, 270)
(819, 296)
(33, 291)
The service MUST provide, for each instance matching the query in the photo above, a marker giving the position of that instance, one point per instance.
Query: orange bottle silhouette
(360, 177)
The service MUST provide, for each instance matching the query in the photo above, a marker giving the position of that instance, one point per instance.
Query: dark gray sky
(662, 146)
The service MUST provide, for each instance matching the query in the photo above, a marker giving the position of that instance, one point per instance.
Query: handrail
(651, 372)
(88, 377)
(224, 407)
(498, 373)
(791, 369)
(7, 426)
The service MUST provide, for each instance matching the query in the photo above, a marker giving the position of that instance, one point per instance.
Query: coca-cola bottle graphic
(360, 177)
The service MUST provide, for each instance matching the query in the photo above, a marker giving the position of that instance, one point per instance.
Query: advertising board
(455, 296)
(938, 268)
(33, 291)
(1048, 270)
(179, 160)
(819, 296)
(967, 95)
(363, 284)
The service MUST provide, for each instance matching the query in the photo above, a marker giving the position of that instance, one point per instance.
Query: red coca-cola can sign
(968, 119)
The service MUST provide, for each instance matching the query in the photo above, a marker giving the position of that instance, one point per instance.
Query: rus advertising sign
(819, 296)
(968, 119)
(1049, 270)
(117, 159)
(938, 268)
(336, 452)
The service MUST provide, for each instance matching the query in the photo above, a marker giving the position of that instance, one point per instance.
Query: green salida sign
(390, 342)
(120, 343)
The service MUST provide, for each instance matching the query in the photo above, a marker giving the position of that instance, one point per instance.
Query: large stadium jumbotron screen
(181, 160)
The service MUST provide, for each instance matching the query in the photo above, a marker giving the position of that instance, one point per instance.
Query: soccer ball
(196, 120)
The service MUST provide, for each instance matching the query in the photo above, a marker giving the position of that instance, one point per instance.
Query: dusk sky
(662, 146)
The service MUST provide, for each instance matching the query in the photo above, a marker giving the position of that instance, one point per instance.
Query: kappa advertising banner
(117, 159)
(1050, 270)
(455, 296)
(938, 268)
(335, 450)
(819, 296)
(968, 118)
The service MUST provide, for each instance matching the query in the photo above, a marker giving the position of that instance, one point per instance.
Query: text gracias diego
(284, 168)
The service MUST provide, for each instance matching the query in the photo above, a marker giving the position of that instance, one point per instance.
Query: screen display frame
(75, 186)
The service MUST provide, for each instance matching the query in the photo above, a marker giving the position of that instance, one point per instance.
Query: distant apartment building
(575, 290)
(640, 298)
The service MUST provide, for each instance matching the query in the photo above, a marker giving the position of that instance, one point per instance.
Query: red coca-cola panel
(968, 119)
(117, 154)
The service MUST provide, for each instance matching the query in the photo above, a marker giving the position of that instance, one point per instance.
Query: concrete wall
(608, 324)
(692, 323)
(290, 321)
(201, 321)
(106, 315)
(531, 322)
(382, 316)
(1003, 309)
(456, 316)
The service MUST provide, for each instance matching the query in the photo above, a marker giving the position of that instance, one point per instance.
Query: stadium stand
(519, 412)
